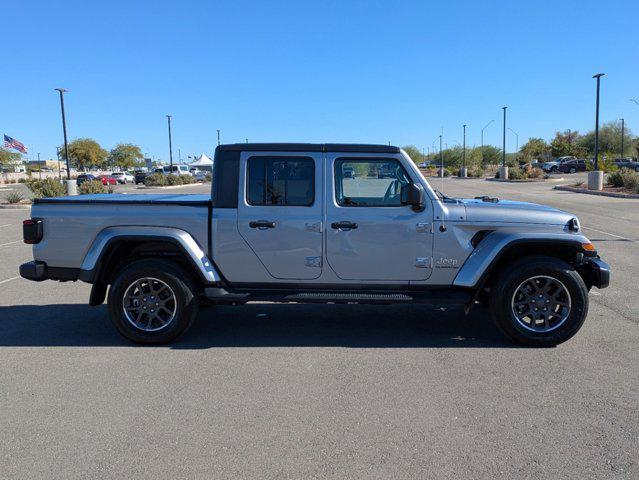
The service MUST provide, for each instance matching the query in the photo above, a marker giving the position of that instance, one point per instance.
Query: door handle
(344, 225)
(261, 224)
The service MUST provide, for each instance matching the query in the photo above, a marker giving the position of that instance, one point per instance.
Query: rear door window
(280, 181)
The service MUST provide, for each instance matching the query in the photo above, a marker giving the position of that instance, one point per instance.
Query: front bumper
(597, 272)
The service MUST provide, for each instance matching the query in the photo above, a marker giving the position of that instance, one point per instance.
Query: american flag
(13, 143)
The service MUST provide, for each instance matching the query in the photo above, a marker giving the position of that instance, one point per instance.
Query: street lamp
(168, 117)
(482, 140)
(516, 136)
(622, 127)
(598, 77)
(464, 149)
(64, 130)
(595, 179)
(503, 152)
(218, 137)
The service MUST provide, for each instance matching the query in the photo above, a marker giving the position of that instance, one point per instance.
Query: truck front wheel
(152, 302)
(539, 301)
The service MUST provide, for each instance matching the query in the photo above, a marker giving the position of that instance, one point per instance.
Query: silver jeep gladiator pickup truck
(321, 223)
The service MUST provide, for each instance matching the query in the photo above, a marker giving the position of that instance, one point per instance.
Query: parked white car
(176, 170)
(123, 177)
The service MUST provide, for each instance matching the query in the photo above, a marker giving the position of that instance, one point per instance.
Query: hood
(510, 211)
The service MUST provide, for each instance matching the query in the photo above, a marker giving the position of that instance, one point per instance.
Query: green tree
(567, 143)
(85, 153)
(534, 148)
(414, 153)
(7, 156)
(609, 140)
(490, 155)
(125, 155)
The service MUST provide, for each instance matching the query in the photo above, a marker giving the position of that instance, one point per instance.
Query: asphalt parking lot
(337, 391)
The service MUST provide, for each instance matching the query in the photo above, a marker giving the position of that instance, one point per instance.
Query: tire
(554, 170)
(573, 170)
(637, 169)
(510, 287)
(178, 313)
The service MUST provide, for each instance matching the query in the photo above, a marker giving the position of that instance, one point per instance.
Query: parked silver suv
(317, 223)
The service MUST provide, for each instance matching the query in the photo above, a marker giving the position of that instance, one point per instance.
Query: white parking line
(8, 280)
(6, 225)
(611, 234)
(10, 243)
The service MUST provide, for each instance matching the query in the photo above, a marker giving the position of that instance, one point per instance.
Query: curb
(15, 207)
(567, 188)
(528, 180)
(170, 186)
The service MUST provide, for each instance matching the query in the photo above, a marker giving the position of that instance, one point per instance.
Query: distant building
(46, 164)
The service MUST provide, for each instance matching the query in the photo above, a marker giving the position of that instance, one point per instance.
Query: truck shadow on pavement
(265, 325)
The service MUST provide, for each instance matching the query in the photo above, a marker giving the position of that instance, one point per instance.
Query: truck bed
(154, 199)
(71, 224)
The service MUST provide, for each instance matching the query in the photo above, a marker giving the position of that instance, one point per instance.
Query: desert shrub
(92, 186)
(208, 177)
(535, 173)
(516, 173)
(624, 178)
(14, 197)
(22, 180)
(49, 187)
(179, 179)
(615, 179)
(155, 180)
(173, 179)
(475, 171)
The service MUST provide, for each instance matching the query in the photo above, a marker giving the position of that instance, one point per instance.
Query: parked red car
(107, 180)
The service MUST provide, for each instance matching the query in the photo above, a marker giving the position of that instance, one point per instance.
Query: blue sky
(334, 71)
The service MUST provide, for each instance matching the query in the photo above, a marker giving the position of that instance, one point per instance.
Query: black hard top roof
(308, 147)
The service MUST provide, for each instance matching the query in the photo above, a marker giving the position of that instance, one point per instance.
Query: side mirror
(413, 194)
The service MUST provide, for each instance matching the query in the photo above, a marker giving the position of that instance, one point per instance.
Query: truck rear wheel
(152, 302)
(539, 301)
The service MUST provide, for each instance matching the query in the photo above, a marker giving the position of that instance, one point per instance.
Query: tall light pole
(464, 149)
(441, 157)
(622, 127)
(503, 152)
(218, 137)
(57, 151)
(64, 130)
(598, 77)
(168, 117)
(516, 137)
(482, 140)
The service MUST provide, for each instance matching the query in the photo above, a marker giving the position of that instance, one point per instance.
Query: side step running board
(444, 296)
(347, 297)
